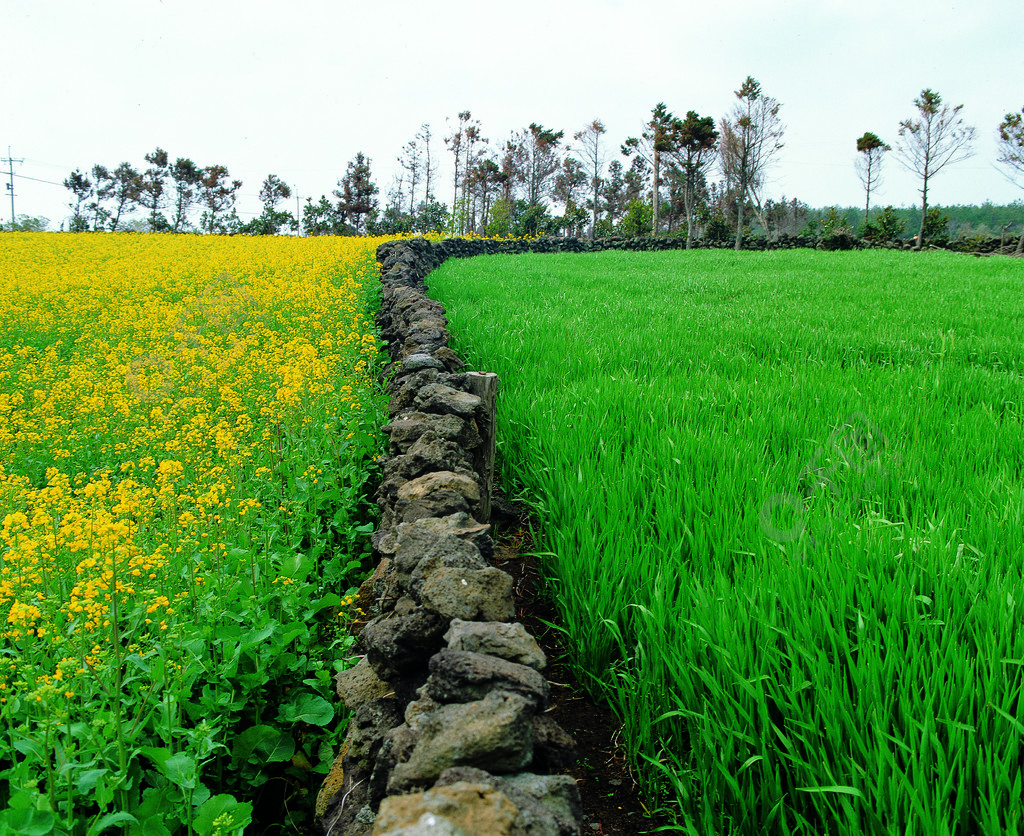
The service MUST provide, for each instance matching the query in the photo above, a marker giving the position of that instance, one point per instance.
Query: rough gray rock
(465, 557)
(404, 391)
(439, 456)
(444, 480)
(547, 805)
(458, 676)
(437, 494)
(451, 360)
(469, 594)
(398, 643)
(359, 685)
(444, 400)
(462, 525)
(553, 747)
(381, 588)
(495, 733)
(346, 788)
(457, 808)
(405, 429)
(416, 545)
(496, 638)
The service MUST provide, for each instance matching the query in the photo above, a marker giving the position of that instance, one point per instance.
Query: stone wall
(449, 734)
(465, 247)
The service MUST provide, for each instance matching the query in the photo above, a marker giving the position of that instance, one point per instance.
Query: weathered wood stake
(485, 386)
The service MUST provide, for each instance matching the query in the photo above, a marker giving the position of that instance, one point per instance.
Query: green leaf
(151, 826)
(110, 820)
(28, 821)
(258, 636)
(87, 780)
(749, 762)
(834, 788)
(263, 744)
(30, 747)
(308, 708)
(297, 566)
(179, 769)
(224, 813)
(331, 599)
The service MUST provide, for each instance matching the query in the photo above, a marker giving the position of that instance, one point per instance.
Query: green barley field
(782, 497)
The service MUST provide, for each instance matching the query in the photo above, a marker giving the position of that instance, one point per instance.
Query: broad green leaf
(111, 820)
(230, 816)
(87, 780)
(308, 708)
(264, 744)
(27, 821)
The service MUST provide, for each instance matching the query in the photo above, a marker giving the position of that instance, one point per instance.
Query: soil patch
(609, 793)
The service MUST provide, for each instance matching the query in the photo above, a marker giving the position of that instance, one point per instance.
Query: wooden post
(485, 386)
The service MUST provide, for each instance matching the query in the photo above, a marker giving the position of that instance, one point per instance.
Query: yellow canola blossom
(149, 389)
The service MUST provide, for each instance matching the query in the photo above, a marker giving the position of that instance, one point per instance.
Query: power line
(10, 170)
(36, 179)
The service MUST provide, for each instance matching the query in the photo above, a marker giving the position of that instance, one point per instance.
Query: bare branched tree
(869, 166)
(1011, 154)
(751, 136)
(936, 138)
(591, 155)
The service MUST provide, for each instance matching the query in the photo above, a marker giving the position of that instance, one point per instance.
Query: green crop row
(783, 504)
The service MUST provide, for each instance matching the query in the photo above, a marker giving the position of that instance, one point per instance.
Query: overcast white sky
(298, 88)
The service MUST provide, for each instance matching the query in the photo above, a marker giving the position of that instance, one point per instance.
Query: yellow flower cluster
(148, 386)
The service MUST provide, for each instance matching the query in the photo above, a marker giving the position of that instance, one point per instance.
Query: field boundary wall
(449, 732)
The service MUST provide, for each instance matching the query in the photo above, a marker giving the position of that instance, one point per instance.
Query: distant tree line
(691, 176)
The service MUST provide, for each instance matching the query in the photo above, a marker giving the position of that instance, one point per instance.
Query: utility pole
(298, 211)
(10, 172)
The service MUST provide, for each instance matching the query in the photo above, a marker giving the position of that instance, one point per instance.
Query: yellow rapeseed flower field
(185, 424)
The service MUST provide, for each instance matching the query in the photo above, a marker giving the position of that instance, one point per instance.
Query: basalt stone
(459, 809)
(547, 805)
(401, 470)
(378, 593)
(461, 676)
(452, 361)
(359, 685)
(419, 709)
(436, 495)
(397, 747)
(495, 733)
(427, 319)
(345, 790)
(386, 540)
(472, 595)
(416, 546)
(415, 362)
(412, 382)
(496, 638)
(445, 480)
(422, 338)
(553, 747)
(435, 450)
(439, 504)
(431, 452)
(406, 429)
(464, 556)
(403, 391)
(366, 731)
(399, 643)
(445, 400)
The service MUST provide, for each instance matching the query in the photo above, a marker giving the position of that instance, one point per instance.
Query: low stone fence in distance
(449, 734)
